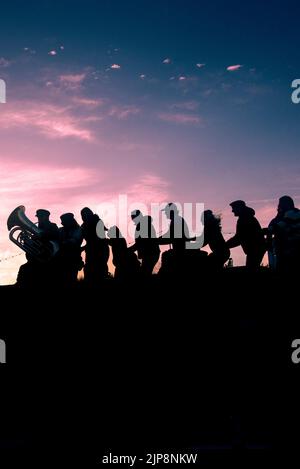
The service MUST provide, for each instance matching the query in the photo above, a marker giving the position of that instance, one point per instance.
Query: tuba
(28, 236)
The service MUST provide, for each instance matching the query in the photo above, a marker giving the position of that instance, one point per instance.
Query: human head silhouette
(285, 204)
(170, 210)
(68, 220)
(42, 215)
(86, 214)
(136, 216)
(238, 207)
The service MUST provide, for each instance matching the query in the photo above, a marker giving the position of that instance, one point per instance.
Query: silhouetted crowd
(281, 240)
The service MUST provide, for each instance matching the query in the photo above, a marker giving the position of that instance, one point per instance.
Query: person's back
(214, 239)
(250, 231)
(249, 234)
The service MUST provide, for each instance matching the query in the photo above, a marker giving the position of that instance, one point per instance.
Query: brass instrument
(28, 236)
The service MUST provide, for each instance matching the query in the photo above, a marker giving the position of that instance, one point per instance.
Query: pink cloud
(180, 118)
(233, 68)
(123, 112)
(150, 188)
(72, 78)
(115, 67)
(51, 52)
(50, 120)
(88, 103)
(186, 105)
(72, 81)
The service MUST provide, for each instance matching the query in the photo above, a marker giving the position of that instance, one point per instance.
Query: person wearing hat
(177, 236)
(49, 230)
(145, 245)
(249, 234)
(34, 272)
(178, 233)
(96, 247)
(70, 253)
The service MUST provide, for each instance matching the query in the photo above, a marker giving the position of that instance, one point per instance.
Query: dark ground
(198, 366)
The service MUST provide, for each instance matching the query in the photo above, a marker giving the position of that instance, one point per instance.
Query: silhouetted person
(178, 233)
(249, 235)
(49, 230)
(145, 244)
(213, 237)
(96, 247)
(38, 272)
(174, 260)
(125, 261)
(70, 252)
(285, 229)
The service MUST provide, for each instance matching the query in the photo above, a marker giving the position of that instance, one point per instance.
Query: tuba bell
(27, 236)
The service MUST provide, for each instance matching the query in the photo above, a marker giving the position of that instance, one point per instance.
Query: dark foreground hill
(198, 365)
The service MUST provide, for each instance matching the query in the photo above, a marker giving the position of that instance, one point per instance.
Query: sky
(161, 101)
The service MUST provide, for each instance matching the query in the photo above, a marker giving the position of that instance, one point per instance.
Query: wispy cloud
(72, 78)
(150, 189)
(50, 120)
(180, 118)
(88, 103)
(200, 65)
(115, 67)
(233, 68)
(186, 105)
(17, 180)
(167, 61)
(72, 81)
(123, 112)
(52, 52)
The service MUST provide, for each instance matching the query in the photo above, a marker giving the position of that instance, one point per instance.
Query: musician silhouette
(249, 235)
(285, 228)
(96, 247)
(49, 230)
(35, 272)
(177, 236)
(125, 261)
(146, 244)
(70, 252)
(213, 237)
